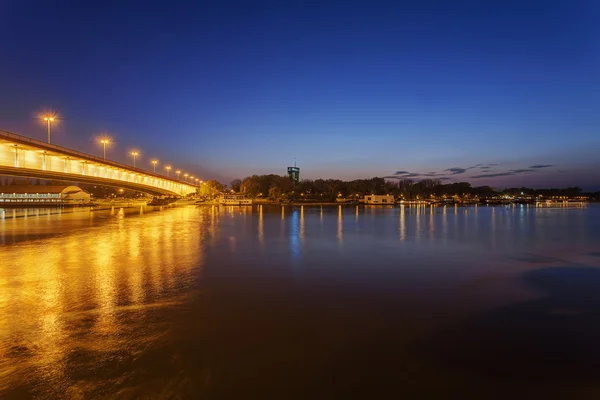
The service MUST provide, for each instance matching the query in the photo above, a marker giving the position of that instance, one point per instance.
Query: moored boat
(234, 199)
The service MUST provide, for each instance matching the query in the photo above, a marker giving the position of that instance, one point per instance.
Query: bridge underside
(66, 177)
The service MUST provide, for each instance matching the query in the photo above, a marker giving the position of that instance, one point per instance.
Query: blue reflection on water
(294, 234)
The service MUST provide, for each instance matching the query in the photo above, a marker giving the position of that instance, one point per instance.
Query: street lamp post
(154, 162)
(104, 143)
(134, 154)
(185, 176)
(49, 120)
(178, 173)
(168, 168)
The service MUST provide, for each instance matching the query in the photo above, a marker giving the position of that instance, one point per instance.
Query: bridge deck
(23, 156)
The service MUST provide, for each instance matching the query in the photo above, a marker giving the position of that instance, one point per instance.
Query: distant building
(48, 195)
(294, 173)
(376, 199)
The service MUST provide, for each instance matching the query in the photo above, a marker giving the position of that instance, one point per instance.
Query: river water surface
(300, 302)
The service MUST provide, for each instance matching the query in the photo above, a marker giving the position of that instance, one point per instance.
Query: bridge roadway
(26, 157)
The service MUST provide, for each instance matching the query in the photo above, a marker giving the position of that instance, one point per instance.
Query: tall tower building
(294, 173)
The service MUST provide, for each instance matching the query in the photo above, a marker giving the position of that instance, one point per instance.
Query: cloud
(419, 175)
(512, 172)
(492, 175)
(541, 166)
(459, 170)
(486, 171)
(408, 174)
(456, 170)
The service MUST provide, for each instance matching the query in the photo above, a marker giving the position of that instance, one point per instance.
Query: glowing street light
(154, 162)
(104, 143)
(49, 120)
(168, 168)
(185, 176)
(178, 172)
(134, 154)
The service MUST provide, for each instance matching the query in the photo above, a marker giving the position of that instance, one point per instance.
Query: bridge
(30, 158)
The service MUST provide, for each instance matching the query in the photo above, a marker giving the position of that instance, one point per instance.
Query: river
(300, 302)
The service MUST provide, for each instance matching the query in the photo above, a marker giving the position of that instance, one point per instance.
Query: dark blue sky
(351, 89)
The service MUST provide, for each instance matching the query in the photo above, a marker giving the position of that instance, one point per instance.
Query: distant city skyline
(494, 94)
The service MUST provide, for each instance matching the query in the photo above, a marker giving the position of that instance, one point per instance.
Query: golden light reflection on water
(445, 224)
(261, 226)
(402, 224)
(431, 222)
(93, 287)
(418, 223)
(94, 275)
(340, 226)
(301, 233)
(493, 228)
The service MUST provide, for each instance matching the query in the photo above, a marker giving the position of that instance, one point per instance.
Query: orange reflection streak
(402, 225)
(340, 226)
(212, 230)
(455, 221)
(261, 228)
(445, 224)
(431, 222)
(418, 224)
(301, 223)
(493, 228)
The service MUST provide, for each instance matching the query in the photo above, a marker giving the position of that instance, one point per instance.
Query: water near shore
(300, 302)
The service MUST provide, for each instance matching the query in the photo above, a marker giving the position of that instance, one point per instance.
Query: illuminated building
(294, 173)
(48, 195)
(375, 199)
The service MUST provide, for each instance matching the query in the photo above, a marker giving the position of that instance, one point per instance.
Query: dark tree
(235, 185)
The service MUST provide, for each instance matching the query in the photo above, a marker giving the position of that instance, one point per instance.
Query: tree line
(278, 187)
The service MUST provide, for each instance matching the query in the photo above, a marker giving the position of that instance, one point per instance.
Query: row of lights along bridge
(187, 177)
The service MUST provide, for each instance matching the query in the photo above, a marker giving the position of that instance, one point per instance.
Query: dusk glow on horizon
(497, 94)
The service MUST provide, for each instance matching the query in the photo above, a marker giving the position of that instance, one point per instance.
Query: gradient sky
(505, 93)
